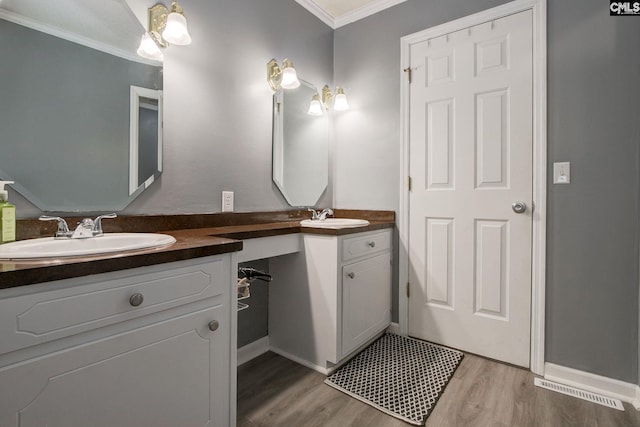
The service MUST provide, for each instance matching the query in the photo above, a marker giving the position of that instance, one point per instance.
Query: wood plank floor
(276, 392)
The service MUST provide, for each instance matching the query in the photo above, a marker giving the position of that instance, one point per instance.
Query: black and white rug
(400, 376)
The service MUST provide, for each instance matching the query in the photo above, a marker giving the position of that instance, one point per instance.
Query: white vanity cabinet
(150, 346)
(333, 298)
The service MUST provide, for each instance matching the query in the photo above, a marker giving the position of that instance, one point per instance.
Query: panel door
(470, 160)
(173, 373)
(366, 300)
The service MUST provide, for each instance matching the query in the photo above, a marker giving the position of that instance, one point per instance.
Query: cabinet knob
(372, 244)
(351, 275)
(214, 325)
(136, 299)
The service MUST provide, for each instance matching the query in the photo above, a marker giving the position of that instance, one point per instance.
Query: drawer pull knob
(136, 299)
(351, 275)
(372, 244)
(214, 325)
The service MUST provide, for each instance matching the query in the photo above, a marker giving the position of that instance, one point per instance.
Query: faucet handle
(324, 213)
(97, 223)
(63, 228)
(314, 214)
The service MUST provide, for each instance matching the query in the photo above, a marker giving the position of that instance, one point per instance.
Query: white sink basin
(48, 247)
(334, 223)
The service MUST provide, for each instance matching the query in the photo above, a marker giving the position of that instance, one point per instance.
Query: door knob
(519, 207)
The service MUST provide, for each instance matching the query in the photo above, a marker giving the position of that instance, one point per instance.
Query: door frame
(539, 222)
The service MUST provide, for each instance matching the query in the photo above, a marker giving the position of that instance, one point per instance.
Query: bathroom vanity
(149, 338)
(330, 299)
(145, 346)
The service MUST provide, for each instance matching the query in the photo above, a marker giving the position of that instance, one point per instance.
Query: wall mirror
(65, 119)
(300, 147)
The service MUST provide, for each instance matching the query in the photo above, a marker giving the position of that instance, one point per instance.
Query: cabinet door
(366, 300)
(172, 373)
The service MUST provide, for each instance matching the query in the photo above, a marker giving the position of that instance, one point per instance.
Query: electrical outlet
(562, 173)
(227, 201)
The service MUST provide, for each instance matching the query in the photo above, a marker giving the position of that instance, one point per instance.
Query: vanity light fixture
(175, 30)
(315, 108)
(165, 27)
(285, 77)
(338, 102)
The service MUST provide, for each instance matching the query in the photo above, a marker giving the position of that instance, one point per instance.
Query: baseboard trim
(610, 387)
(253, 350)
(394, 328)
(300, 361)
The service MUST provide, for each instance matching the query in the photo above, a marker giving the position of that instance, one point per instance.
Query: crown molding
(320, 13)
(353, 16)
(72, 37)
(364, 11)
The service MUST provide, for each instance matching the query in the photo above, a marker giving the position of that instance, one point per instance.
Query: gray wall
(592, 246)
(594, 107)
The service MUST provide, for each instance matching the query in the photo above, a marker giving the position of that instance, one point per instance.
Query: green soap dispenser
(7, 216)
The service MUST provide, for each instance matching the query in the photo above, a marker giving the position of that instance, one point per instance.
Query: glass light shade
(315, 108)
(149, 49)
(175, 32)
(289, 78)
(340, 103)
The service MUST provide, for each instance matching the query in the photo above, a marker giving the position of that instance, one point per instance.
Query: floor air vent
(580, 394)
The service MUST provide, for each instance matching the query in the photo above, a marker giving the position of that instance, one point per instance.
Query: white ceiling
(337, 13)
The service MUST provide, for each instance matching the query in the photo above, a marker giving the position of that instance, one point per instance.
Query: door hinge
(408, 71)
(408, 290)
(409, 183)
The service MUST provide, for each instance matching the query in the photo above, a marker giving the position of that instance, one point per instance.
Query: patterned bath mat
(400, 376)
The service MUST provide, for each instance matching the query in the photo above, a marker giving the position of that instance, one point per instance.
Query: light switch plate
(562, 173)
(227, 201)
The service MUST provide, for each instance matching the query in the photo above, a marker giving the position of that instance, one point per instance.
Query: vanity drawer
(103, 300)
(365, 244)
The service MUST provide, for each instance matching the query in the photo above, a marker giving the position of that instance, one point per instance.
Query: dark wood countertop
(196, 236)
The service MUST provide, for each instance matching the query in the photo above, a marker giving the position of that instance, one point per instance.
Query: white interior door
(470, 161)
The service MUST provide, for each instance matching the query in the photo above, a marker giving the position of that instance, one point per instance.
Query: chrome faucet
(85, 229)
(320, 216)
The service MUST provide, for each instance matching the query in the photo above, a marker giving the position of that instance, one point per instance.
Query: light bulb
(176, 32)
(315, 108)
(340, 103)
(289, 76)
(149, 49)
